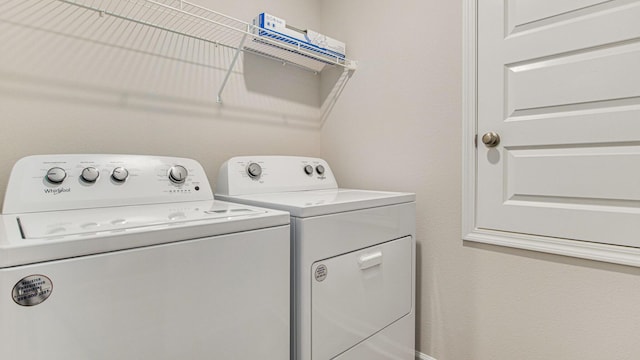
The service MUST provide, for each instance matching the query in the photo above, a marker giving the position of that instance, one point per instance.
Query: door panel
(589, 175)
(561, 86)
(576, 79)
(607, 23)
(521, 12)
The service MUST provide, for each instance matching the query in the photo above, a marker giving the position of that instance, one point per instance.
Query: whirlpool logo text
(57, 191)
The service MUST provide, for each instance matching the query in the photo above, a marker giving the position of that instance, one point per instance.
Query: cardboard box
(277, 29)
(327, 43)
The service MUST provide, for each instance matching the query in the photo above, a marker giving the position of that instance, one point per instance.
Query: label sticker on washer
(321, 272)
(32, 290)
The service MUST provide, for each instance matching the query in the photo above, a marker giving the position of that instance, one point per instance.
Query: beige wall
(397, 126)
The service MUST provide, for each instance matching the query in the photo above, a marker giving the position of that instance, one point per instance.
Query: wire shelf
(190, 20)
(122, 46)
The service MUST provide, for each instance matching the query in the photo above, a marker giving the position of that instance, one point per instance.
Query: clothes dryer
(353, 257)
(108, 257)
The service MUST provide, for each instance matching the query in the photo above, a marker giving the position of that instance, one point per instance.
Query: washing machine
(108, 257)
(353, 257)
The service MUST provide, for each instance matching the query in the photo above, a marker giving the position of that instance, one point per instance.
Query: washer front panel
(222, 297)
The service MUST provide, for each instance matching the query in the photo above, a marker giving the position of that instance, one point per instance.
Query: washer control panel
(267, 174)
(74, 181)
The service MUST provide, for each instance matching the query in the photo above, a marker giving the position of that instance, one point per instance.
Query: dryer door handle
(370, 260)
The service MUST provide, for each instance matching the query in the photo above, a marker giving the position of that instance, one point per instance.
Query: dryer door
(357, 294)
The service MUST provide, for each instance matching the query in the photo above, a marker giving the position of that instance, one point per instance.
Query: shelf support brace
(233, 64)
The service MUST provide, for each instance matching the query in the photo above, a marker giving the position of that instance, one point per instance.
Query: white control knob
(320, 169)
(178, 174)
(120, 174)
(254, 170)
(308, 169)
(56, 175)
(89, 174)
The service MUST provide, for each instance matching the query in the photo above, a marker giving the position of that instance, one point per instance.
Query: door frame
(470, 231)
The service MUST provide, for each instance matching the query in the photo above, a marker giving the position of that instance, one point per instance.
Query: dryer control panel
(76, 181)
(271, 174)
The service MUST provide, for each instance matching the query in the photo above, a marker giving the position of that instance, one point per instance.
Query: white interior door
(559, 82)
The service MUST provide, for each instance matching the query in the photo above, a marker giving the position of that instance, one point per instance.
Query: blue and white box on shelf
(267, 25)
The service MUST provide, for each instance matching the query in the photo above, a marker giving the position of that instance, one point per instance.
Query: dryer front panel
(357, 294)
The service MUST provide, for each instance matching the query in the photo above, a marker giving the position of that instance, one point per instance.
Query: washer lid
(322, 202)
(35, 237)
(53, 225)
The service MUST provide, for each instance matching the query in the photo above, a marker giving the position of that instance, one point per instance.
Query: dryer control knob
(90, 174)
(308, 169)
(320, 169)
(178, 174)
(254, 170)
(120, 174)
(56, 175)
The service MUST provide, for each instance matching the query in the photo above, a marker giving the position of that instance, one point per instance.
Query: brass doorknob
(491, 139)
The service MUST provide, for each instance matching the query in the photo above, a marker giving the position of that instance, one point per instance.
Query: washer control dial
(254, 170)
(120, 174)
(90, 174)
(178, 174)
(308, 169)
(56, 175)
(320, 169)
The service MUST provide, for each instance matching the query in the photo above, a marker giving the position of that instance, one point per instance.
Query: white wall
(397, 126)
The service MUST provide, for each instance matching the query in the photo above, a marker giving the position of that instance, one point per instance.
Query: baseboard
(421, 356)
